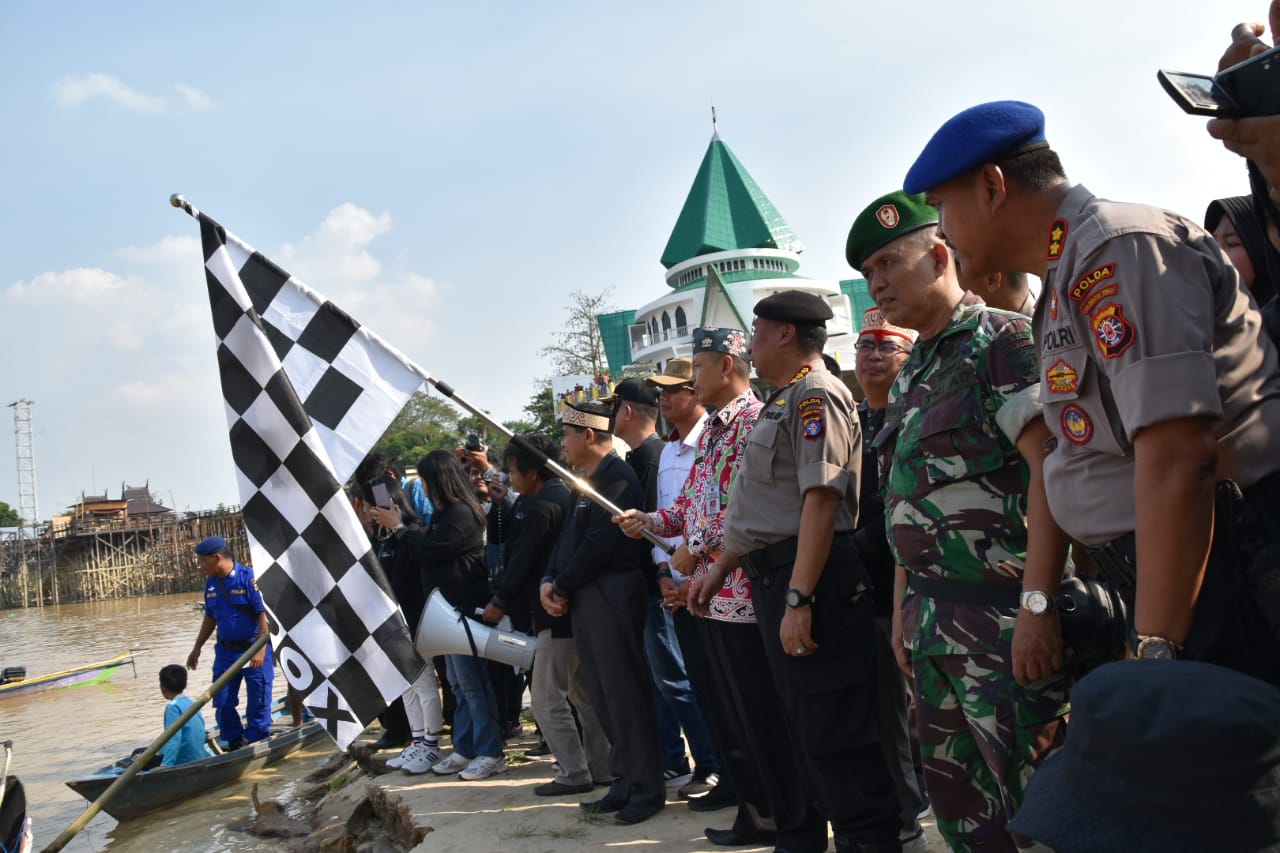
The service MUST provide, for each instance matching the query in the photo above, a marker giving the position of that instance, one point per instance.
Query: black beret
(795, 306)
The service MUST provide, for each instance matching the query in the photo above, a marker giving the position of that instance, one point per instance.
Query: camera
(473, 443)
(1247, 89)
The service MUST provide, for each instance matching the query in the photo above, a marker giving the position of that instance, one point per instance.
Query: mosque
(730, 248)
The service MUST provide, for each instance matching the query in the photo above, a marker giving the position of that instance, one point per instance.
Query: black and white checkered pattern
(308, 391)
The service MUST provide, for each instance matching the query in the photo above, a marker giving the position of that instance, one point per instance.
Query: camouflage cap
(885, 220)
(728, 341)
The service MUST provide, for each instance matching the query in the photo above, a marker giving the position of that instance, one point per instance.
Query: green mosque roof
(726, 210)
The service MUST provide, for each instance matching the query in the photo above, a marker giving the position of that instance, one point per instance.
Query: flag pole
(446, 389)
(140, 762)
(578, 482)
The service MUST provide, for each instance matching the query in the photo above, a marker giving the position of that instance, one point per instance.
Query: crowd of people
(848, 612)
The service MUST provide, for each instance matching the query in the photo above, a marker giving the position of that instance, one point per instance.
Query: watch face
(1036, 602)
(793, 598)
(1154, 649)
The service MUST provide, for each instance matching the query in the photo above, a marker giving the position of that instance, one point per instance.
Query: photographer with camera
(1254, 135)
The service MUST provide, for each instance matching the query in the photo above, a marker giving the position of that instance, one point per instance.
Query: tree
(541, 413)
(578, 347)
(9, 516)
(425, 424)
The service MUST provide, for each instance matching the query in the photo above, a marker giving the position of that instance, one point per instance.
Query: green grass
(568, 832)
(520, 830)
(339, 781)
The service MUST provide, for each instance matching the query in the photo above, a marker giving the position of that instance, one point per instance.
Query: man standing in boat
(234, 606)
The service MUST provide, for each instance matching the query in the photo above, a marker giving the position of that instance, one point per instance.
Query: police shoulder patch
(812, 423)
(1112, 330)
(1061, 377)
(1076, 425)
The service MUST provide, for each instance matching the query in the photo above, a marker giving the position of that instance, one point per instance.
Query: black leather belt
(242, 646)
(780, 555)
(965, 593)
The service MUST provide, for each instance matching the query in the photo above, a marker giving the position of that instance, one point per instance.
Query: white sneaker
(454, 763)
(398, 762)
(483, 767)
(420, 760)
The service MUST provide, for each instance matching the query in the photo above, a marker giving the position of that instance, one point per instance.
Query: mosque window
(682, 323)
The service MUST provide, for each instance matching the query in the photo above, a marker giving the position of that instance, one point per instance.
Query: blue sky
(450, 173)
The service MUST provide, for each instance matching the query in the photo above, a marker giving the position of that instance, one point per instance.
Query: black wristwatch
(796, 598)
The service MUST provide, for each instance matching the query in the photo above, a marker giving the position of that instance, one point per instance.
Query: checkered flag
(308, 391)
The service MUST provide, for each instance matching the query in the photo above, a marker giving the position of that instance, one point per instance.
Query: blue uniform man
(234, 606)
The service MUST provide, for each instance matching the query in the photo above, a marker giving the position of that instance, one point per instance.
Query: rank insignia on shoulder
(1076, 425)
(1057, 237)
(1062, 378)
(1113, 331)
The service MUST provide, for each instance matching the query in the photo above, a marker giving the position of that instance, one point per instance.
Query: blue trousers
(257, 710)
(475, 719)
(677, 707)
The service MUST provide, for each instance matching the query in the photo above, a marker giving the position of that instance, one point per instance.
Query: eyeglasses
(885, 348)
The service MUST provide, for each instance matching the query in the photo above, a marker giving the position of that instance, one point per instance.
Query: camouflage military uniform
(955, 507)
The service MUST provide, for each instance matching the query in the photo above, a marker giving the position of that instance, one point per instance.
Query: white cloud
(75, 90)
(335, 255)
(183, 250)
(125, 336)
(87, 285)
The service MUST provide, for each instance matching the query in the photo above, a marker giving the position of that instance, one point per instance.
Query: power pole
(28, 504)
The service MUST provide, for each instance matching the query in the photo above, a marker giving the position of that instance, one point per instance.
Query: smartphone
(381, 490)
(1253, 85)
(1249, 88)
(1197, 94)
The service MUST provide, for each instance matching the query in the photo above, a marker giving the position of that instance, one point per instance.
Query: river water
(60, 734)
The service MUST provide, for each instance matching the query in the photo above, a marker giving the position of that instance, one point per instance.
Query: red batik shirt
(698, 513)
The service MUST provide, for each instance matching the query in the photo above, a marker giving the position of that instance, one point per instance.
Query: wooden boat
(15, 823)
(155, 789)
(88, 674)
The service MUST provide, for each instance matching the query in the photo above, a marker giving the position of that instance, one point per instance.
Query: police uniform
(1140, 301)
(233, 602)
(807, 436)
(1144, 321)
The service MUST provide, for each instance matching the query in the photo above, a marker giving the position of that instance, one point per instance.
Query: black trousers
(608, 617)
(830, 697)
(756, 747)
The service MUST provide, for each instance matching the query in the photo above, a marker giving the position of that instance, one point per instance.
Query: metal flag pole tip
(179, 201)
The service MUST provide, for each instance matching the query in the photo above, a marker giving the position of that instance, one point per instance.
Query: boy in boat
(188, 743)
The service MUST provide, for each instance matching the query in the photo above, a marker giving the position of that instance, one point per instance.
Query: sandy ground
(503, 814)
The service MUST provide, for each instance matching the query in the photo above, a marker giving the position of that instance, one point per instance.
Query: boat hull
(151, 790)
(89, 674)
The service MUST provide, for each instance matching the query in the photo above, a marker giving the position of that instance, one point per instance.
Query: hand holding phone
(1247, 89)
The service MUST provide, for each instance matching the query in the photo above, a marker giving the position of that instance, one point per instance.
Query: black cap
(633, 391)
(795, 306)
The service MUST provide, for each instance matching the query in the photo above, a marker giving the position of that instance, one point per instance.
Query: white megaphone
(443, 630)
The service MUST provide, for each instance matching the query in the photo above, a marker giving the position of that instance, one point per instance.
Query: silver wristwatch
(1036, 602)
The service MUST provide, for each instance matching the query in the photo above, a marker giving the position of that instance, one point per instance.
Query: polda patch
(1096, 297)
(1057, 239)
(1112, 330)
(1062, 378)
(812, 422)
(1087, 281)
(1076, 426)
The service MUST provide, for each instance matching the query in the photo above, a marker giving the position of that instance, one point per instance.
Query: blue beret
(982, 134)
(212, 545)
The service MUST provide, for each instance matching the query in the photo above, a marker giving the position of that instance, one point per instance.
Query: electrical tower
(27, 501)
(27, 511)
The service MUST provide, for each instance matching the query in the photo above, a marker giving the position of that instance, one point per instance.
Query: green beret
(885, 220)
(795, 306)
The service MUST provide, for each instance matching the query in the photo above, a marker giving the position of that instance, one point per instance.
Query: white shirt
(673, 470)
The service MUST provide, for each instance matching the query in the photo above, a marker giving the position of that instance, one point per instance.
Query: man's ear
(941, 256)
(994, 188)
